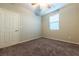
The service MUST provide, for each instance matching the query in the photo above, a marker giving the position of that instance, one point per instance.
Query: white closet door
(10, 28)
(2, 29)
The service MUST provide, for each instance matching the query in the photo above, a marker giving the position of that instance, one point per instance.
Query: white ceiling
(43, 11)
(53, 8)
(37, 8)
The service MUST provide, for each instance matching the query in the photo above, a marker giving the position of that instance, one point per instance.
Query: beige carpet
(41, 47)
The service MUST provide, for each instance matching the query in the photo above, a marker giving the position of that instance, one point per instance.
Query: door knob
(16, 30)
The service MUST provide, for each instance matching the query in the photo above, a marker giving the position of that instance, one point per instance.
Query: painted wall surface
(30, 24)
(69, 24)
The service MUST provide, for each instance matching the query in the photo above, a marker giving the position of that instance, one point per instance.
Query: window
(54, 22)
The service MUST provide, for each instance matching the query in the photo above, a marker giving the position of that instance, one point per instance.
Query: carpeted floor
(41, 47)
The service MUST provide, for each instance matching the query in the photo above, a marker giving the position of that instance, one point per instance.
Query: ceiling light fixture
(42, 5)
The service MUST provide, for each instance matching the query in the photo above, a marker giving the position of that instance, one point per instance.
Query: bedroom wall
(69, 24)
(30, 23)
(31, 26)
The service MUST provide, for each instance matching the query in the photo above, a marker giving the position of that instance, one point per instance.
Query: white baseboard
(39, 37)
(61, 40)
(20, 42)
(30, 39)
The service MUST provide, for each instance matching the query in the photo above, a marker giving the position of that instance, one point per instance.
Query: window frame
(57, 21)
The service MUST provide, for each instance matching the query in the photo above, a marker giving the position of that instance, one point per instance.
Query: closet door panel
(9, 28)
